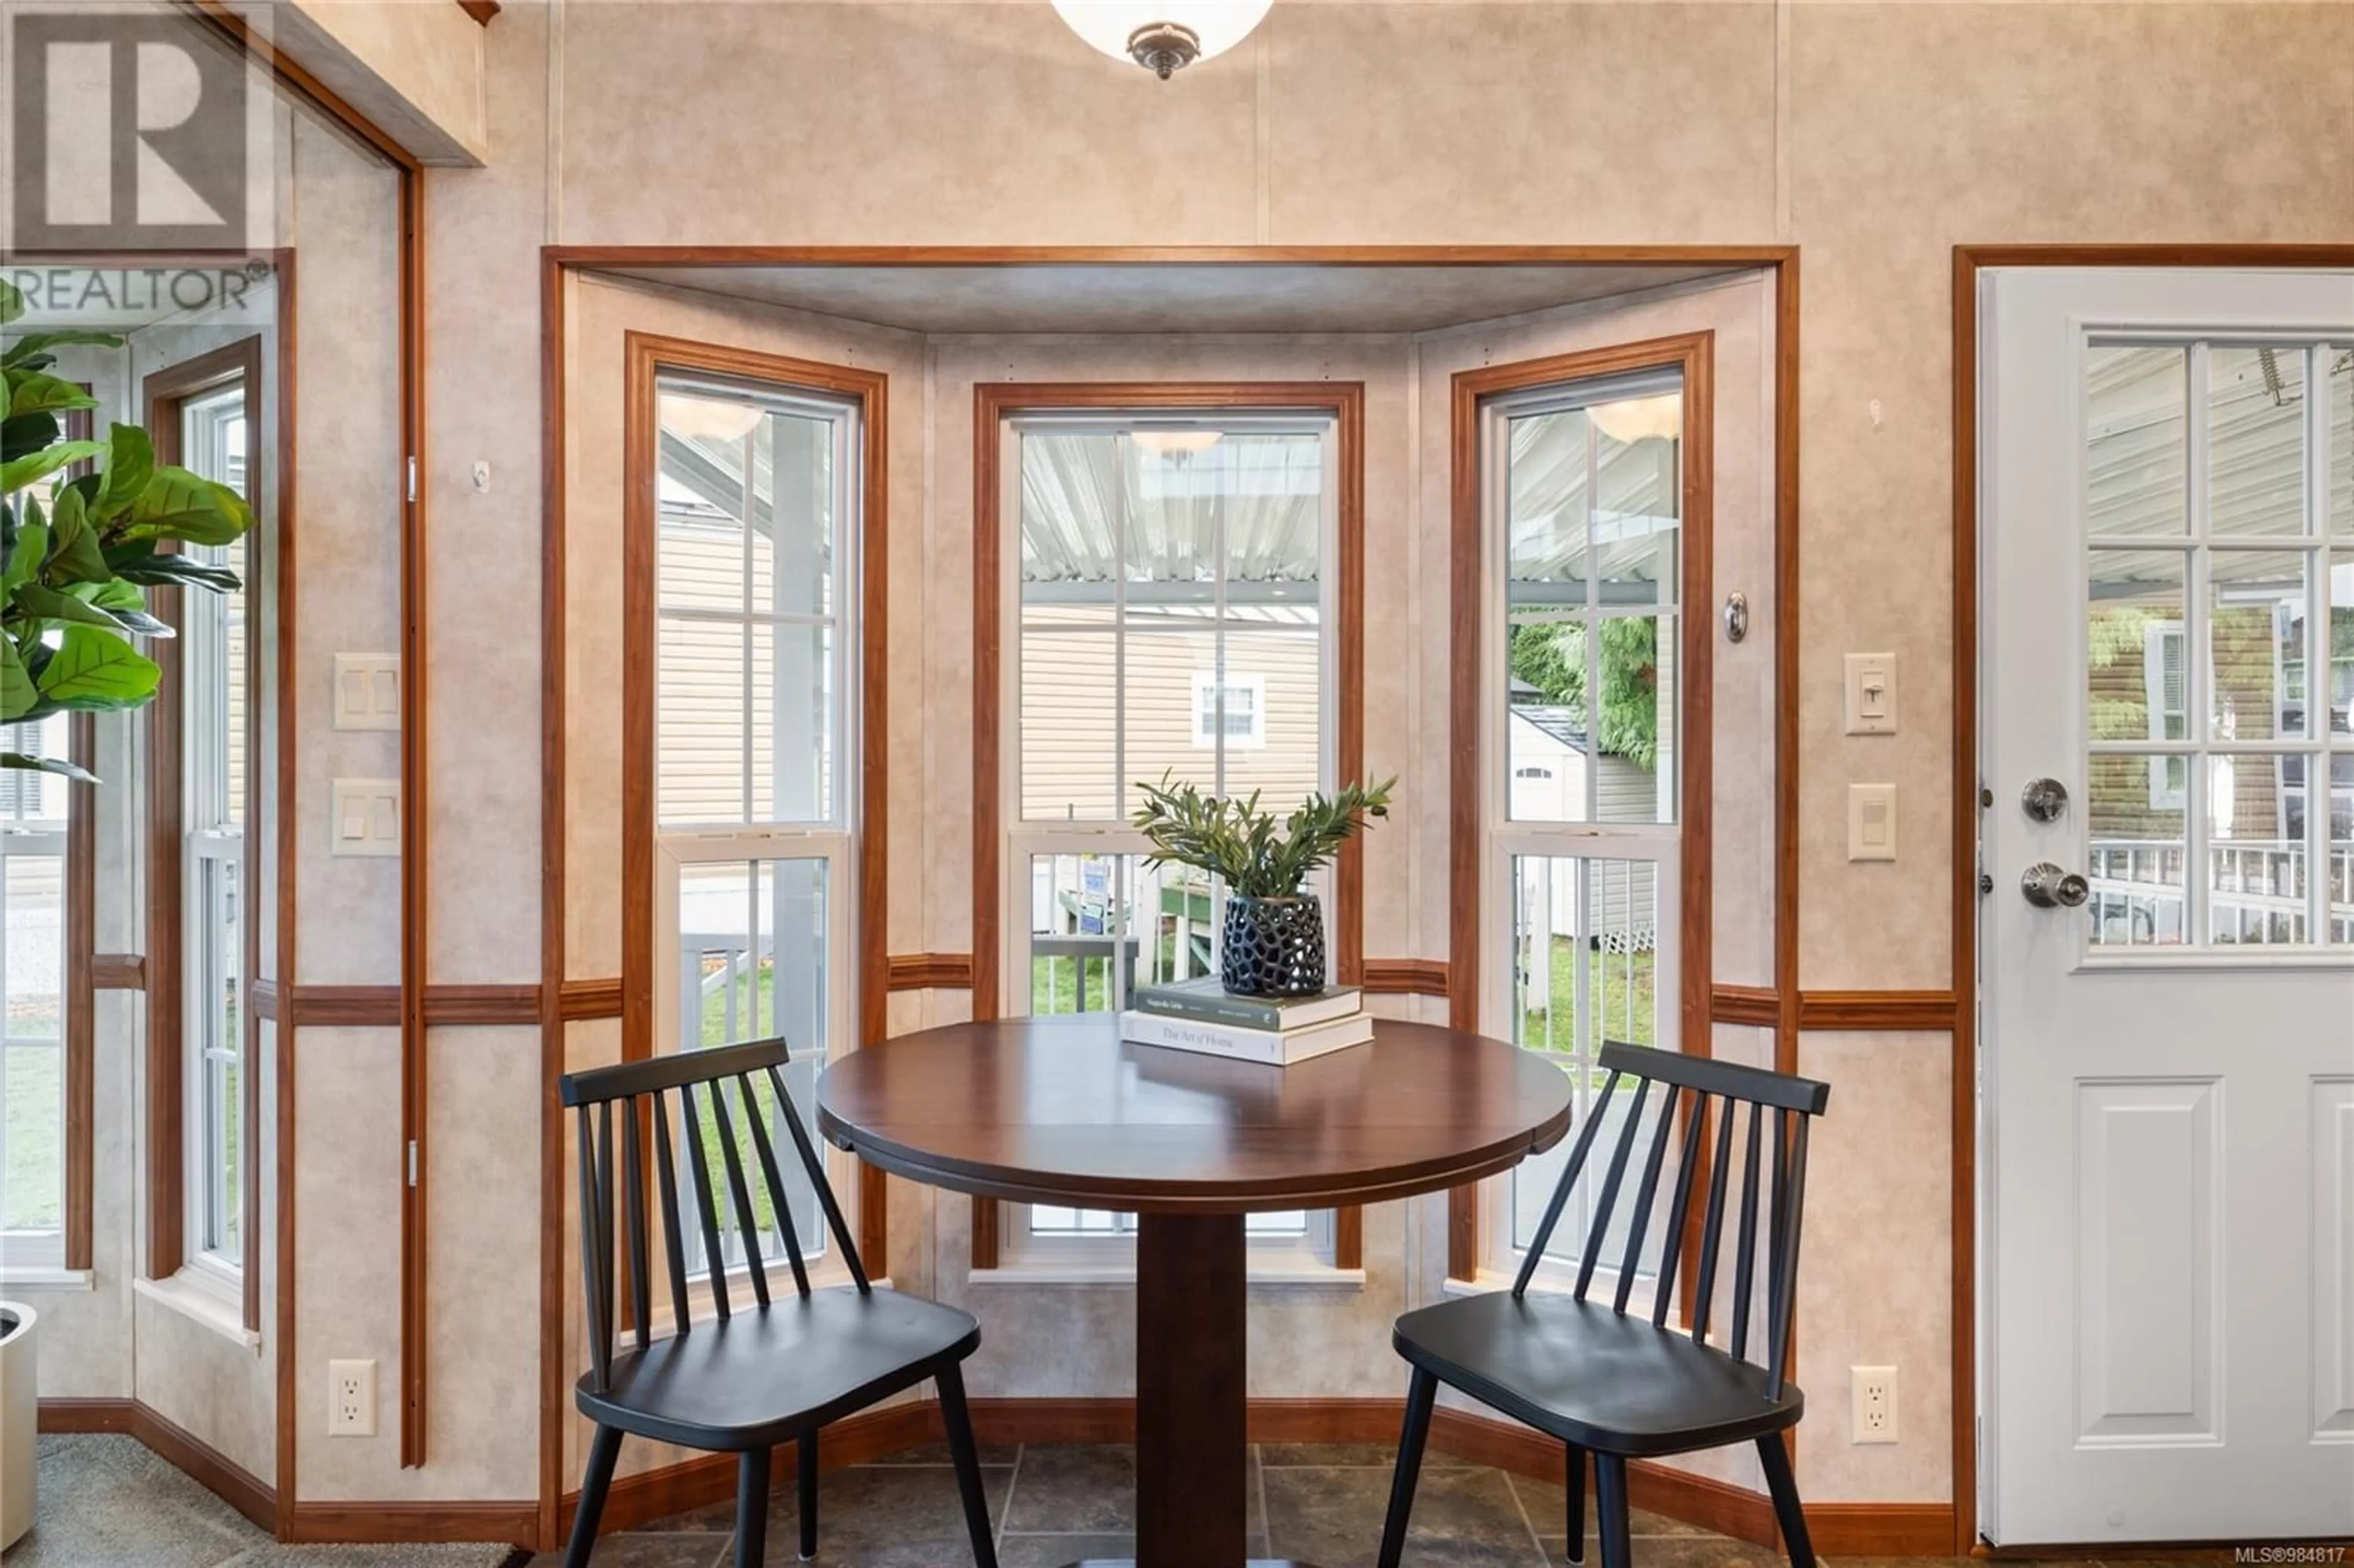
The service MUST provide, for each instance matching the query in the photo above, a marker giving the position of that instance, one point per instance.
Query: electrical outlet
(1873, 1390)
(351, 1399)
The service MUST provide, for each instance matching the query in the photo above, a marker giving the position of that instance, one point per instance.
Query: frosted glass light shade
(1216, 25)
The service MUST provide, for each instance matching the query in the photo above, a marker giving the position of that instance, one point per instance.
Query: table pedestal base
(1192, 1450)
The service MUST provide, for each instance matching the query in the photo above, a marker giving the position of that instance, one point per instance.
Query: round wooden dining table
(1062, 1111)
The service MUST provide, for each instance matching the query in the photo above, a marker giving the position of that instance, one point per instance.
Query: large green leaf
(130, 464)
(56, 764)
(123, 601)
(172, 571)
(17, 694)
(32, 547)
(34, 342)
(12, 303)
(48, 604)
(24, 434)
(75, 550)
(39, 394)
(97, 669)
(19, 472)
(177, 504)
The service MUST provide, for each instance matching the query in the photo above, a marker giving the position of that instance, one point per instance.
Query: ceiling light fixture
(1633, 419)
(709, 418)
(1168, 443)
(1164, 37)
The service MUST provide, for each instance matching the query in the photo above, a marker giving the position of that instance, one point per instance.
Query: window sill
(32, 1276)
(205, 1302)
(1283, 1276)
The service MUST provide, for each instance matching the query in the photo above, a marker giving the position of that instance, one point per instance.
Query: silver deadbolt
(1736, 617)
(2047, 886)
(2043, 799)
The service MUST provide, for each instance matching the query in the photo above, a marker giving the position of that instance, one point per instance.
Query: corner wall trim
(1406, 976)
(930, 972)
(1759, 1006)
(172, 1444)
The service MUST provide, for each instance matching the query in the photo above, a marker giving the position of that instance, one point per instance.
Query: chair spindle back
(643, 1092)
(1701, 1093)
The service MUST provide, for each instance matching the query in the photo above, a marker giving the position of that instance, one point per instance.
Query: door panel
(2166, 1125)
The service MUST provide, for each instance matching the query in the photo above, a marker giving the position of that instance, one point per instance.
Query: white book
(1246, 1044)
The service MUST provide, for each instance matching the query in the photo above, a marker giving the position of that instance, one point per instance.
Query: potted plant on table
(1273, 940)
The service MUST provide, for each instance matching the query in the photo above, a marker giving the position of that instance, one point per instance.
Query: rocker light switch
(1871, 694)
(1872, 821)
(368, 690)
(366, 816)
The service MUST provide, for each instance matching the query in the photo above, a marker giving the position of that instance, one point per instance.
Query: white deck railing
(2256, 892)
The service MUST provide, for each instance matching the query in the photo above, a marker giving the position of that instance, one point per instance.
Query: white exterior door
(2166, 1155)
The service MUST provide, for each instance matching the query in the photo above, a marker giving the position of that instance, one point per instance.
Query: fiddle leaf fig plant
(1248, 849)
(77, 554)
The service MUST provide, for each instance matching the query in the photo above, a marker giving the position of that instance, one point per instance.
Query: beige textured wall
(1873, 136)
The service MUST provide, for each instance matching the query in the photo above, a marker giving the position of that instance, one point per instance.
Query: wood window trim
(646, 356)
(164, 394)
(994, 403)
(1693, 355)
(80, 1078)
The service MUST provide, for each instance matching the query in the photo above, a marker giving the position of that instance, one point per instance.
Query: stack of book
(1200, 1015)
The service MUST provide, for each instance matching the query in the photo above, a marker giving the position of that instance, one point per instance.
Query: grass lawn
(1626, 1001)
(33, 1196)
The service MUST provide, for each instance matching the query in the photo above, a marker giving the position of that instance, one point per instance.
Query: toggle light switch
(1871, 694)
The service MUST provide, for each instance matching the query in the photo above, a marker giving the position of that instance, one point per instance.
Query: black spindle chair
(756, 1374)
(1618, 1385)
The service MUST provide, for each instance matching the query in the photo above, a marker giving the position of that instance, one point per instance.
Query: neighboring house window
(755, 641)
(33, 808)
(2167, 681)
(1232, 708)
(1582, 553)
(1170, 578)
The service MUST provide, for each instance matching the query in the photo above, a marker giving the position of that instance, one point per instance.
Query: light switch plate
(368, 690)
(366, 816)
(1871, 694)
(1872, 821)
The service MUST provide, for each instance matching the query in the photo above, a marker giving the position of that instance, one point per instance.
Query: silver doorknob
(2047, 886)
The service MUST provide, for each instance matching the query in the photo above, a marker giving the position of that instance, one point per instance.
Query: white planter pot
(19, 1419)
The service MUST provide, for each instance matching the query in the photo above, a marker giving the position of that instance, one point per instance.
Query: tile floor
(1053, 1505)
(106, 1501)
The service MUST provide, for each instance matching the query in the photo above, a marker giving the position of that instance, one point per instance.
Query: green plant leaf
(177, 504)
(97, 669)
(124, 603)
(12, 303)
(17, 694)
(25, 558)
(45, 603)
(130, 465)
(34, 342)
(76, 551)
(39, 394)
(172, 571)
(56, 764)
(19, 472)
(22, 434)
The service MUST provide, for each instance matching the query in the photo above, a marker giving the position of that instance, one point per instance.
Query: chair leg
(957, 1419)
(1573, 1481)
(1787, 1513)
(1610, 1501)
(807, 1448)
(1421, 1393)
(751, 1508)
(603, 1449)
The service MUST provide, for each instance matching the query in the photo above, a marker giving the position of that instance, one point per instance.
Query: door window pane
(2256, 440)
(2135, 813)
(2136, 430)
(2255, 640)
(2139, 669)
